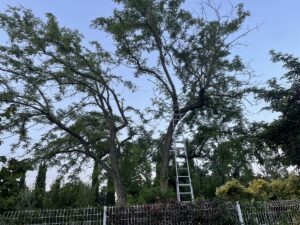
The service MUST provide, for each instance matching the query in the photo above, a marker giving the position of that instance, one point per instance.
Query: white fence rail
(208, 213)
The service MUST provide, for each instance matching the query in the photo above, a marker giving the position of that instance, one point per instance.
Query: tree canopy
(187, 57)
(283, 133)
(49, 78)
(72, 91)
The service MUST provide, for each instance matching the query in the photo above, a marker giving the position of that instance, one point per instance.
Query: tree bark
(119, 188)
(118, 184)
(165, 154)
(165, 157)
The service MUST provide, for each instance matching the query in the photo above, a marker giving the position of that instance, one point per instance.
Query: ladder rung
(184, 185)
(185, 193)
(179, 142)
(180, 150)
(183, 176)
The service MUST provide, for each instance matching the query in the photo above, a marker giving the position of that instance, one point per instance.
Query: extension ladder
(184, 186)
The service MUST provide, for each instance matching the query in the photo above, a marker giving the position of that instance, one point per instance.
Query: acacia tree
(48, 79)
(187, 57)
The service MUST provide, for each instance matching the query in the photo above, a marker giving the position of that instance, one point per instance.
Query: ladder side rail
(189, 174)
(177, 179)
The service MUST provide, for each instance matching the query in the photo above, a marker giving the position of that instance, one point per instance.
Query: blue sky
(278, 20)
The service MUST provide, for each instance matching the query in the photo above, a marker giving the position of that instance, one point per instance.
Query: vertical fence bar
(240, 214)
(104, 215)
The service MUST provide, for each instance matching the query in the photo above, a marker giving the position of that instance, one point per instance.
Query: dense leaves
(187, 57)
(283, 133)
(260, 189)
(71, 92)
(49, 79)
(11, 182)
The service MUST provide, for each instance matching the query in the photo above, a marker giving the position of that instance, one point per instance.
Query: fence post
(240, 214)
(104, 215)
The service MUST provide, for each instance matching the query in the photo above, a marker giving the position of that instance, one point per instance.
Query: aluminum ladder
(184, 188)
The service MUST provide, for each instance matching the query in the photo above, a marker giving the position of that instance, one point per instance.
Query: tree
(136, 155)
(96, 182)
(283, 133)
(40, 185)
(48, 78)
(75, 194)
(187, 57)
(55, 193)
(10, 182)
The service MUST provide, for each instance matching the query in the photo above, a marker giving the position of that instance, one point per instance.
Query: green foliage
(11, 184)
(27, 200)
(286, 188)
(96, 182)
(283, 133)
(75, 195)
(40, 186)
(232, 190)
(151, 194)
(190, 55)
(54, 193)
(43, 65)
(260, 189)
(136, 155)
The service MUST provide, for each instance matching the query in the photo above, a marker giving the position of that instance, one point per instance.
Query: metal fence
(201, 213)
(275, 212)
(84, 216)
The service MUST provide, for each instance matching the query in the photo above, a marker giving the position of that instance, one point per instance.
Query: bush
(260, 189)
(153, 195)
(232, 190)
(286, 188)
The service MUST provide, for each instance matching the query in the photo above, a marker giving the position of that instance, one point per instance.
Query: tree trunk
(165, 157)
(118, 184)
(119, 188)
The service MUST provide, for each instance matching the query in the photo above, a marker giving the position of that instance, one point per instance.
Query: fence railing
(208, 213)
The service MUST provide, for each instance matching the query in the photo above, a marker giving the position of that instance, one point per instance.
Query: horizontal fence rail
(285, 212)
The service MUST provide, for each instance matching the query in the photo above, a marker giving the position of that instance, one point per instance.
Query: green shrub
(286, 188)
(232, 190)
(153, 195)
(260, 189)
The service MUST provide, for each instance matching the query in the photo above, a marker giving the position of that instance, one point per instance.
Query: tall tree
(55, 193)
(283, 133)
(47, 78)
(187, 57)
(40, 185)
(96, 182)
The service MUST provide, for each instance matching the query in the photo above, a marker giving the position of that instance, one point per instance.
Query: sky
(277, 21)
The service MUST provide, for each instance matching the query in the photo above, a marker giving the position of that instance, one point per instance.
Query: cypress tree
(40, 185)
(96, 182)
